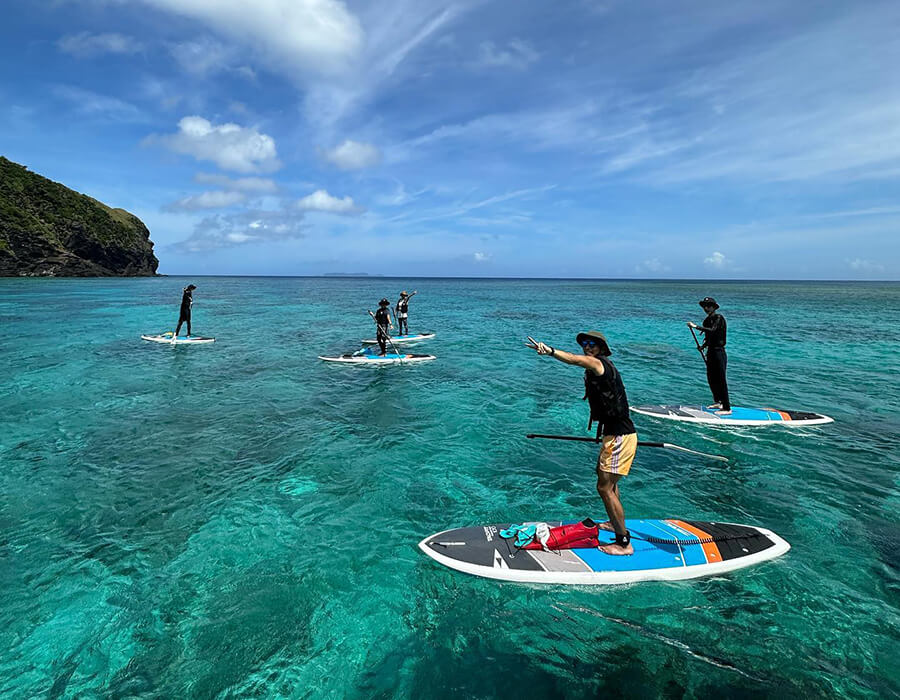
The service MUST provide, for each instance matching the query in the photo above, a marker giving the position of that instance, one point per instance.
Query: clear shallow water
(240, 519)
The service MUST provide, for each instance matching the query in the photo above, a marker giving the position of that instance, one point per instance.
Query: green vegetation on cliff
(48, 229)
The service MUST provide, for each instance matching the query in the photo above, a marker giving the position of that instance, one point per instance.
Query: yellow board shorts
(617, 453)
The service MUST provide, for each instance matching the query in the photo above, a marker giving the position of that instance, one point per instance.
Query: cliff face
(47, 229)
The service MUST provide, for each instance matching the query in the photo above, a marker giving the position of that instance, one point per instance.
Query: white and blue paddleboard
(180, 340)
(370, 357)
(409, 338)
(738, 416)
(664, 550)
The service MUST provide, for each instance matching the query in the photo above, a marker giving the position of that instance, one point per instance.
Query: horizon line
(517, 278)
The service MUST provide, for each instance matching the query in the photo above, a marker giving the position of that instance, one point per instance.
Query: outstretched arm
(591, 363)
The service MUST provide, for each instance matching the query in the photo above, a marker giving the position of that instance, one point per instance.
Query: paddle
(666, 445)
(699, 347)
(399, 356)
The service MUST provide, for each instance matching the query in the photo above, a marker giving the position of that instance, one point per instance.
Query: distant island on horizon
(349, 274)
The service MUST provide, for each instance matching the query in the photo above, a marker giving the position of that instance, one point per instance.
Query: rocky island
(48, 230)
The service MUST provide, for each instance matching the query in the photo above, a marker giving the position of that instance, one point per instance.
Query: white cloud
(202, 57)
(865, 266)
(320, 200)
(208, 200)
(231, 147)
(353, 155)
(517, 54)
(394, 32)
(460, 209)
(319, 36)
(481, 257)
(226, 231)
(717, 260)
(654, 265)
(84, 45)
(259, 185)
(92, 104)
(786, 112)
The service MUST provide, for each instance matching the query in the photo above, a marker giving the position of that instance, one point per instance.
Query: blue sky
(412, 137)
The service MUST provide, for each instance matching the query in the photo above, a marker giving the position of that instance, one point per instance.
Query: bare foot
(723, 413)
(616, 549)
(605, 526)
(714, 406)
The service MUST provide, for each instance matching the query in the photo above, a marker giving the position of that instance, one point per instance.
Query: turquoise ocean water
(241, 519)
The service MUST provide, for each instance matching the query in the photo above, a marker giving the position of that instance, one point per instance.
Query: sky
(598, 139)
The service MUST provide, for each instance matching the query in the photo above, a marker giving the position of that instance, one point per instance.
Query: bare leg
(609, 492)
(608, 525)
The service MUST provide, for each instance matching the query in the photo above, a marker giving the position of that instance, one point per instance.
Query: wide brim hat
(404, 294)
(598, 336)
(708, 301)
(192, 286)
(384, 302)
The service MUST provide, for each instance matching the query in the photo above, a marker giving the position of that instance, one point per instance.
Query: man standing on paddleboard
(714, 328)
(383, 322)
(402, 311)
(605, 392)
(187, 301)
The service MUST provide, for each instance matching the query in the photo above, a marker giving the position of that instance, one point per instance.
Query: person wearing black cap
(714, 329)
(184, 316)
(383, 322)
(605, 392)
(402, 311)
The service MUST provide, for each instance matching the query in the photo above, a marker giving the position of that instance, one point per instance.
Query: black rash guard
(609, 403)
(715, 329)
(186, 300)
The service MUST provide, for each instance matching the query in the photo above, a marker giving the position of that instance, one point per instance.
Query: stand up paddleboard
(411, 338)
(371, 357)
(739, 416)
(180, 340)
(664, 550)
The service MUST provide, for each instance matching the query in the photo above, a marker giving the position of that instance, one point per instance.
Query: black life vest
(605, 394)
(382, 316)
(402, 305)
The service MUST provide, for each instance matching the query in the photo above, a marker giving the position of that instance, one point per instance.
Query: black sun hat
(384, 302)
(708, 301)
(599, 337)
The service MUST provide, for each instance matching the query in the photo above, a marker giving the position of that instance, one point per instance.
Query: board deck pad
(408, 338)
(739, 415)
(180, 340)
(664, 550)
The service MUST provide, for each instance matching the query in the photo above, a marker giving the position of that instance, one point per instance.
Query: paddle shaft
(699, 347)
(666, 445)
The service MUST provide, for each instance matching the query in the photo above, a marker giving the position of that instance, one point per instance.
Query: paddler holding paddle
(383, 322)
(605, 393)
(184, 314)
(714, 329)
